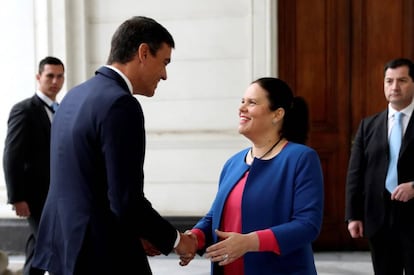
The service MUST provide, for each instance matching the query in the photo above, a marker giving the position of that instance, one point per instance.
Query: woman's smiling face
(256, 118)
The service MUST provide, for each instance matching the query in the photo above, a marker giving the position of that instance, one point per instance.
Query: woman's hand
(232, 246)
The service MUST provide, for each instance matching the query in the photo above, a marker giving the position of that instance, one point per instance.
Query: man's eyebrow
(397, 77)
(52, 75)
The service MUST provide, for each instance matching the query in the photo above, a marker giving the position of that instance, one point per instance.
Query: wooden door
(332, 52)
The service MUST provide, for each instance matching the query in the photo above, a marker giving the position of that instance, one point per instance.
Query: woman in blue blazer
(269, 204)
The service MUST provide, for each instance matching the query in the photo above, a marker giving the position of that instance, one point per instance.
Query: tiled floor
(327, 263)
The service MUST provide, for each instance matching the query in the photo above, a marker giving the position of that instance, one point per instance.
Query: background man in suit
(96, 213)
(385, 217)
(26, 154)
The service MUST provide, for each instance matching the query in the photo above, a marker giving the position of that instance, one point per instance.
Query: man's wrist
(177, 240)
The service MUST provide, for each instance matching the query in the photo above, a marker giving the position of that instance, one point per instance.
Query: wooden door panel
(313, 59)
(382, 30)
(332, 53)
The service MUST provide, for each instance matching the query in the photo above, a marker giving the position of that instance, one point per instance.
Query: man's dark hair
(132, 33)
(399, 62)
(49, 60)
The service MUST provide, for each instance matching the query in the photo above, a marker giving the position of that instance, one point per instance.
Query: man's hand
(403, 192)
(187, 247)
(356, 229)
(150, 250)
(22, 209)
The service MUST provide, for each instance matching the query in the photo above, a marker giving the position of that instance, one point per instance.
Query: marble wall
(221, 46)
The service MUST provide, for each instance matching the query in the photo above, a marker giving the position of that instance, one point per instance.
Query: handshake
(186, 248)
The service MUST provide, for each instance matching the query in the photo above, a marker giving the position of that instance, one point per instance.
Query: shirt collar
(44, 98)
(123, 77)
(407, 111)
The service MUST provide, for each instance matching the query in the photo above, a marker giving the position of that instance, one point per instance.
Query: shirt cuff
(201, 238)
(177, 240)
(268, 241)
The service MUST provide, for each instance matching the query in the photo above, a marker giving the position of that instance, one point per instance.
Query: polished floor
(327, 263)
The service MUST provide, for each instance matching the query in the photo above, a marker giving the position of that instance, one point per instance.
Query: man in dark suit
(96, 213)
(26, 152)
(385, 214)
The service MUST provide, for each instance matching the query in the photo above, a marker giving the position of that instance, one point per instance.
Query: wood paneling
(314, 59)
(332, 53)
(382, 30)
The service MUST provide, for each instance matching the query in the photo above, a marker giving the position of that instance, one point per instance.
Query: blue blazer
(284, 194)
(96, 210)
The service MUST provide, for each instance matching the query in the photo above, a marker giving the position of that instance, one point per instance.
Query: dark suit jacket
(96, 211)
(366, 196)
(26, 154)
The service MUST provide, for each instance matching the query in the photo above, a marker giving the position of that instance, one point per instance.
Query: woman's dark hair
(295, 125)
(134, 32)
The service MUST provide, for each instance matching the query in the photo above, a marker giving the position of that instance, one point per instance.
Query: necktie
(394, 144)
(54, 107)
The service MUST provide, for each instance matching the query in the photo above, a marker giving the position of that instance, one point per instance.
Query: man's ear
(143, 51)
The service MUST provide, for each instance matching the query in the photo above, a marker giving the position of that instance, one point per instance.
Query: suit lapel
(381, 127)
(40, 109)
(409, 134)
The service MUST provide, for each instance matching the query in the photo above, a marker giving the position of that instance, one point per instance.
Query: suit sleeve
(307, 211)
(13, 156)
(355, 178)
(123, 137)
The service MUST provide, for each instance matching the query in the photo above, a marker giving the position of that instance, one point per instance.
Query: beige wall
(221, 46)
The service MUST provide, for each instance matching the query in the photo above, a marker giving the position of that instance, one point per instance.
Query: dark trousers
(30, 247)
(93, 259)
(392, 247)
